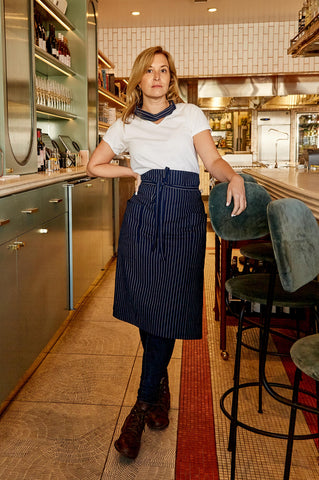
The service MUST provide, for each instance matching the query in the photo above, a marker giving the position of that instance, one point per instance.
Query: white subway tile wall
(211, 50)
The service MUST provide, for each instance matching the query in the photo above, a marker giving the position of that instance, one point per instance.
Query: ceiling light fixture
(211, 10)
(135, 13)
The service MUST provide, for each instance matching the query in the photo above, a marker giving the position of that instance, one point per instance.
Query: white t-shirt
(165, 144)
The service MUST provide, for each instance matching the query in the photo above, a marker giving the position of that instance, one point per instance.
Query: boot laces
(135, 422)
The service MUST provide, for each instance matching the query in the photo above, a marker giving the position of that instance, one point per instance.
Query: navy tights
(156, 357)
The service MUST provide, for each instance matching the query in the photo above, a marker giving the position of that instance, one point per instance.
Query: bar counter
(290, 182)
(21, 183)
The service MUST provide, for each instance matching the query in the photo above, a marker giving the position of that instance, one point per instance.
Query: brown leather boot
(129, 442)
(157, 417)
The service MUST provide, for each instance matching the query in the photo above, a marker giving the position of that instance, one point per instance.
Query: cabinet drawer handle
(4, 221)
(88, 185)
(16, 245)
(56, 200)
(30, 210)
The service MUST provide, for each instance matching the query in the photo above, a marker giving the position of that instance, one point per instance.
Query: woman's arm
(218, 168)
(99, 164)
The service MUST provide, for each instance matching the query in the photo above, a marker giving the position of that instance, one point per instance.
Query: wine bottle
(49, 42)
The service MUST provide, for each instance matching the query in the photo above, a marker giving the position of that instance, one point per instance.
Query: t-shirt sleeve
(115, 137)
(198, 121)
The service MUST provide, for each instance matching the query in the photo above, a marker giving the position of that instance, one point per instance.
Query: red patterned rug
(196, 457)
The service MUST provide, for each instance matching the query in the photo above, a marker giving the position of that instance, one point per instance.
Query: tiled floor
(63, 423)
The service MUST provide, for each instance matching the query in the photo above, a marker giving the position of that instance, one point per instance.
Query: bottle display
(221, 125)
(308, 135)
(56, 44)
(309, 10)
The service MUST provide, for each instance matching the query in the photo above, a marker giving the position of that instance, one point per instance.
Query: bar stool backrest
(250, 224)
(294, 234)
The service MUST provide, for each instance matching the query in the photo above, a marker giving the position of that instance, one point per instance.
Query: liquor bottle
(41, 151)
(36, 30)
(307, 12)
(304, 12)
(44, 42)
(67, 52)
(60, 48)
(39, 33)
(51, 42)
(55, 52)
(301, 21)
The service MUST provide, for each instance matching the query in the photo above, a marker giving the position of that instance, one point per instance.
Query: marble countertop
(290, 182)
(16, 184)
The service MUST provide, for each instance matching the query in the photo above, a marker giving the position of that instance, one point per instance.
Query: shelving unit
(73, 26)
(48, 112)
(306, 42)
(105, 96)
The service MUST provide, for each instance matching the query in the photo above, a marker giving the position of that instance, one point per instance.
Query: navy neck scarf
(157, 116)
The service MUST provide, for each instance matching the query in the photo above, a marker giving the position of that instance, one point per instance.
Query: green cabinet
(34, 280)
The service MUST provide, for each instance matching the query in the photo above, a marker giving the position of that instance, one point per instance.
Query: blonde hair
(134, 95)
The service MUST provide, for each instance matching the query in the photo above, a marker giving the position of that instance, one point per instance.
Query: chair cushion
(251, 223)
(259, 251)
(294, 233)
(253, 287)
(305, 355)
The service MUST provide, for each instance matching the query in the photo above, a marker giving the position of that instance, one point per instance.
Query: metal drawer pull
(56, 200)
(4, 221)
(30, 210)
(43, 230)
(88, 185)
(16, 245)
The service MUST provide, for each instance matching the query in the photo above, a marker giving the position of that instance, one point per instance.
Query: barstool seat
(259, 251)
(305, 355)
(251, 288)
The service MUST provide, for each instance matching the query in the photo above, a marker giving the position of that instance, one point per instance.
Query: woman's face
(155, 81)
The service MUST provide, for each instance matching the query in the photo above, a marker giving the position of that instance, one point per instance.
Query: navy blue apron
(160, 265)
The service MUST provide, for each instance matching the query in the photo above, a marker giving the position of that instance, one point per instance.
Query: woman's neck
(155, 106)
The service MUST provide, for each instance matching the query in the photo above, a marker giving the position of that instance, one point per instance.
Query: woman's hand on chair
(236, 192)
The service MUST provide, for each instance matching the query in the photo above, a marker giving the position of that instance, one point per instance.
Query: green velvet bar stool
(295, 237)
(298, 231)
(305, 355)
(223, 256)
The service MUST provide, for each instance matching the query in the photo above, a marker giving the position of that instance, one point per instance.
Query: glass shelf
(49, 65)
(52, 14)
(111, 97)
(45, 112)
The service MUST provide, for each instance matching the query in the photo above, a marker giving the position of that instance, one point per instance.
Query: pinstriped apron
(160, 265)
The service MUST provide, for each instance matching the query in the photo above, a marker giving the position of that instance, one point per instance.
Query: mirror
(19, 79)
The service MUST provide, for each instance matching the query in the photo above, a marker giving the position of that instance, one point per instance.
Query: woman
(159, 276)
